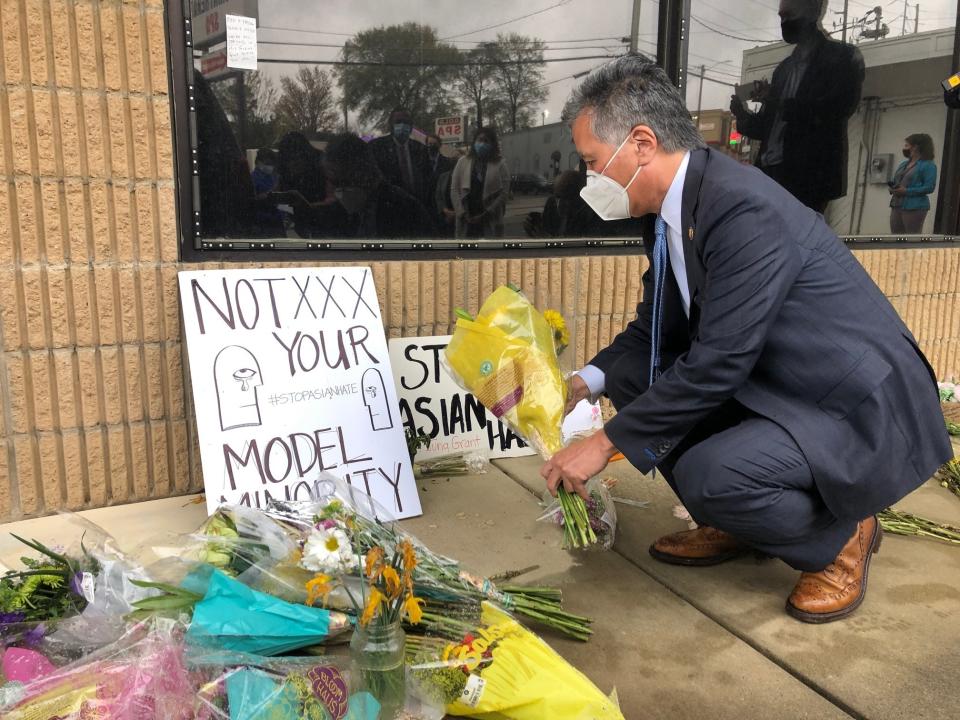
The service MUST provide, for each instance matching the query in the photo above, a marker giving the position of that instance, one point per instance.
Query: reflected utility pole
(703, 74)
(635, 27)
(846, 9)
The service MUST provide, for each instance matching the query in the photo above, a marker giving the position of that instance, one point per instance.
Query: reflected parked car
(530, 184)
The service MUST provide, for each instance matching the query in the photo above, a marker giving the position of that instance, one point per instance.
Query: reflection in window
(277, 146)
(839, 102)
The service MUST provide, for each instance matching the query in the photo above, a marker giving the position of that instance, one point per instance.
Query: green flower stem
(903, 523)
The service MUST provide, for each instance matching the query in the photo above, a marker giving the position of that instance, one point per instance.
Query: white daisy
(328, 551)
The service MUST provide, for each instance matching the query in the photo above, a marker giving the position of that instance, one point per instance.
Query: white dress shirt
(672, 213)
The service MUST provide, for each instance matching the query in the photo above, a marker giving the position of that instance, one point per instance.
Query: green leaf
(169, 589)
(164, 602)
(42, 549)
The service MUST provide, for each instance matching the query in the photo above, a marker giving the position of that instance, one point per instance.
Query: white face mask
(607, 197)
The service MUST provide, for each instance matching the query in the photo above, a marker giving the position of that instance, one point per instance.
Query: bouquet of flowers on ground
(596, 523)
(452, 464)
(49, 587)
(142, 675)
(237, 686)
(498, 668)
(350, 523)
(507, 357)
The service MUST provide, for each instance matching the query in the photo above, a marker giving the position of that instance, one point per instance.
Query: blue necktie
(660, 258)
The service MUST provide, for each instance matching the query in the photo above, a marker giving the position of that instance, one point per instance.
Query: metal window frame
(672, 52)
(947, 219)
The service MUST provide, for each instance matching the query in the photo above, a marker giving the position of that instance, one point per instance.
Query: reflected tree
(398, 66)
(519, 79)
(307, 103)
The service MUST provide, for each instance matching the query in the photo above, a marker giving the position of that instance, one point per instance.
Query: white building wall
(530, 150)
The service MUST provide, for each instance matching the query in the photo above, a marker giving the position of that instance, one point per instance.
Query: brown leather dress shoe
(837, 590)
(703, 546)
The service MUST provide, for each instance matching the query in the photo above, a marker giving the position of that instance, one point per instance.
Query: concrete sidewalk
(896, 657)
(678, 643)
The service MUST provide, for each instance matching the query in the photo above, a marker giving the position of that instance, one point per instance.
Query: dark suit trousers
(742, 473)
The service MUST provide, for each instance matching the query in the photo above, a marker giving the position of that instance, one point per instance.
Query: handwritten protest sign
(432, 402)
(291, 376)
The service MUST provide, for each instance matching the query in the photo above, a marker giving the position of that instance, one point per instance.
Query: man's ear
(644, 143)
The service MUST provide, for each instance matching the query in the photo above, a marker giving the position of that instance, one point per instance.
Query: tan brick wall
(93, 402)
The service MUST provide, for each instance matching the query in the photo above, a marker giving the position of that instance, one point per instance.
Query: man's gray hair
(629, 91)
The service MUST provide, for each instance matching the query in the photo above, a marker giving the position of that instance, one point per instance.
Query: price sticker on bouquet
(291, 377)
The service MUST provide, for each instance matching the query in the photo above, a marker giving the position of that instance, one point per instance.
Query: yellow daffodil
(412, 609)
(373, 606)
(374, 565)
(392, 580)
(409, 556)
(319, 587)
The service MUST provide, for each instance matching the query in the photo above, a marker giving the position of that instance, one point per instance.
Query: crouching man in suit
(765, 375)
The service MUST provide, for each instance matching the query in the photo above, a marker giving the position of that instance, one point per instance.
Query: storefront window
(347, 122)
(363, 120)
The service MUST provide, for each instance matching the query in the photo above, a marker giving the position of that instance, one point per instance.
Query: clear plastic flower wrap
(236, 686)
(69, 602)
(593, 529)
(497, 668)
(153, 673)
(139, 677)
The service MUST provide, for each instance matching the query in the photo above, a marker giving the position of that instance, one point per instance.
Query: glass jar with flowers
(386, 599)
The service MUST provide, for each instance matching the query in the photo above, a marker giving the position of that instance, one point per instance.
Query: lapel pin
(690, 233)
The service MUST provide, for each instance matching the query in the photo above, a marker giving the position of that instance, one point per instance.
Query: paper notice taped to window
(241, 42)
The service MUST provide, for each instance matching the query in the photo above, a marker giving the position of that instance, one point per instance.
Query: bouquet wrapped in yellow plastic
(502, 670)
(506, 357)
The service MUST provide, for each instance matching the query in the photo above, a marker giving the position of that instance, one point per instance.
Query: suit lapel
(692, 244)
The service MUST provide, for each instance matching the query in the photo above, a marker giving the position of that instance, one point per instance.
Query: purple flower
(33, 637)
(76, 583)
(12, 617)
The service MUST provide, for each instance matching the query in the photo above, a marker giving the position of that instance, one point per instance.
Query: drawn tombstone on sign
(236, 375)
(375, 399)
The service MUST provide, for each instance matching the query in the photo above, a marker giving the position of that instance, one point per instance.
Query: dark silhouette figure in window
(802, 122)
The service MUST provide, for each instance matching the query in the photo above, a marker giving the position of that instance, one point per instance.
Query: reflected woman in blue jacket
(911, 186)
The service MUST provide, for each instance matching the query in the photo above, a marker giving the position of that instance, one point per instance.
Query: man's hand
(899, 191)
(577, 390)
(576, 464)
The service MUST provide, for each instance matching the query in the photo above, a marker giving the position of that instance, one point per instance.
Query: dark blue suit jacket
(784, 320)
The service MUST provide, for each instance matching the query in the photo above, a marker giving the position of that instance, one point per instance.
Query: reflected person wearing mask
(765, 375)
(480, 188)
(802, 122)
(402, 160)
(376, 209)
